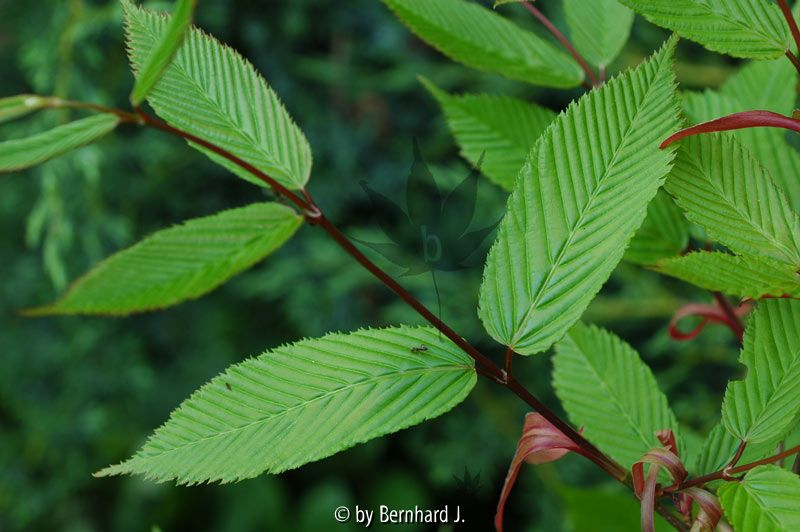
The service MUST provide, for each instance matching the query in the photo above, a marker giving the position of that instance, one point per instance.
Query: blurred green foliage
(77, 394)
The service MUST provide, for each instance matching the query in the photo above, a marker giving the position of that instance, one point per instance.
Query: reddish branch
(729, 471)
(743, 120)
(787, 14)
(561, 38)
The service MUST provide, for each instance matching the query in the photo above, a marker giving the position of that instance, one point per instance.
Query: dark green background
(77, 394)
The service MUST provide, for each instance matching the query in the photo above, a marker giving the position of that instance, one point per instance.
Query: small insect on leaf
(419, 349)
(228, 386)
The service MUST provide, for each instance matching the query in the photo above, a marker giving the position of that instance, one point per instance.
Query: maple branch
(561, 38)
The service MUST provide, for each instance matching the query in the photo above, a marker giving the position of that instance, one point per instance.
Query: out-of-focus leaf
(742, 276)
(599, 28)
(303, 402)
(497, 131)
(162, 54)
(664, 233)
(479, 38)
(31, 151)
(17, 106)
(180, 263)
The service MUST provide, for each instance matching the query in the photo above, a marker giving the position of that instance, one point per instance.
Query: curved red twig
(743, 120)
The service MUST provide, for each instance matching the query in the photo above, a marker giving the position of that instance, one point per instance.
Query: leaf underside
(741, 28)
(303, 402)
(180, 263)
(606, 388)
(763, 406)
(577, 202)
(481, 39)
(212, 92)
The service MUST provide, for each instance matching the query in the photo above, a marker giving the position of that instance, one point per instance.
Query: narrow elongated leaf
(722, 187)
(180, 263)
(211, 91)
(766, 501)
(599, 28)
(479, 38)
(164, 51)
(17, 106)
(743, 276)
(765, 85)
(577, 202)
(763, 406)
(24, 153)
(664, 233)
(741, 28)
(498, 131)
(720, 447)
(606, 388)
(303, 402)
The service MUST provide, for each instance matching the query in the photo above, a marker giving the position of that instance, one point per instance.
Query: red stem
(735, 323)
(561, 38)
(720, 475)
(787, 14)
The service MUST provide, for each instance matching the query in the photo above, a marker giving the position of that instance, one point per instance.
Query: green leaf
(741, 28)
(577, 203)
(211, 91)
(180, 263)
(743, 276)
(664, 233)
(24, 153)
(599, 28)
(21, 105)
(765, 85)
(723, 188)
(496, 131)
(766, 501)
(763, 406)
(479, 38)
(606, 388)
(498, 3)
(162, 54)
(303, 402)
(720, 447)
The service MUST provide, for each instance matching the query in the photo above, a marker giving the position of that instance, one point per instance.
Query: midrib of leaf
(398, 375)
(250, 142)
(620, 407)
(522, 325)
(764, 505)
